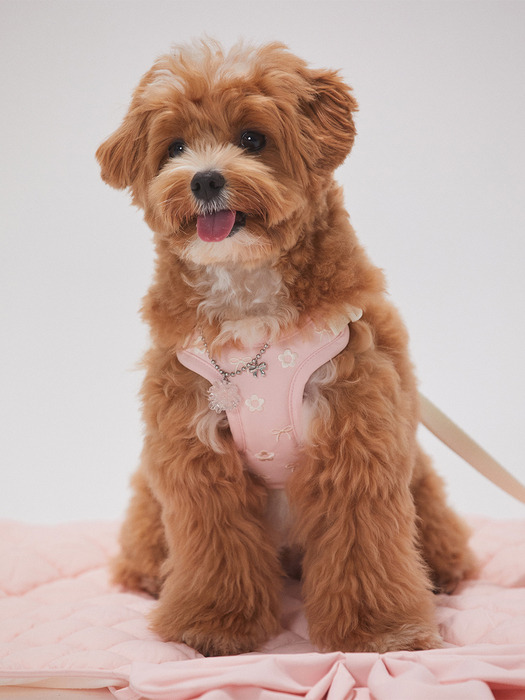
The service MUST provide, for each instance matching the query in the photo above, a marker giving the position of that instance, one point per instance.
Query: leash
(462, 444)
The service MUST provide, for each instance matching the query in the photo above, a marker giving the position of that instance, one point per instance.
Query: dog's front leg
(222, 576)
(365, 586)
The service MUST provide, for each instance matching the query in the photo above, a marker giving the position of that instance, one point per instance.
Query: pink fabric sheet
(63, 625)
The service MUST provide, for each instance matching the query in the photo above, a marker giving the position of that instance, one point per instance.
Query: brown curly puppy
(266, 310)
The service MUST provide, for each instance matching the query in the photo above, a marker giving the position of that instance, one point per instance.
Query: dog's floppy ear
(121, 155)
(330, 116)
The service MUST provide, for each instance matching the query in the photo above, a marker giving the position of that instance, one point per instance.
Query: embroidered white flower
(254, 403)
(288, 358)
(264, 456)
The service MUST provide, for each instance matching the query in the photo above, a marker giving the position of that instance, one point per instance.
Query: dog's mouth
(216, 227)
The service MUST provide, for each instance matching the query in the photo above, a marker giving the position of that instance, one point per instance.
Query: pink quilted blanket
(63, 625)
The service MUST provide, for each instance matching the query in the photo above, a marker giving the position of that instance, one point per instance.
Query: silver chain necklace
(222, 394)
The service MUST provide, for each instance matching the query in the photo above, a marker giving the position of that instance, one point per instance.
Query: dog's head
(227, 153)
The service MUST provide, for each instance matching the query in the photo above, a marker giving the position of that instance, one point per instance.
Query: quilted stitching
(60, 616)
(58, 611)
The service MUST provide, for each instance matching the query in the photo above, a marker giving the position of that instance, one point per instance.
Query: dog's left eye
(253, 141)
(176, 148)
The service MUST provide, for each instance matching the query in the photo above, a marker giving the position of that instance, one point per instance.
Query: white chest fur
(251, 305)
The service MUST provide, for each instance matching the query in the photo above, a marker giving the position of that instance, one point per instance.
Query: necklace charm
(223, 396)
(254, 367)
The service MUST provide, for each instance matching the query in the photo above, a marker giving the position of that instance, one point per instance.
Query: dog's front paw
(405, 638)
(215, 625)
(220, 636)
(223, 642)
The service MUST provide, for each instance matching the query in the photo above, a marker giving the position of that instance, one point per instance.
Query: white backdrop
(435, 188)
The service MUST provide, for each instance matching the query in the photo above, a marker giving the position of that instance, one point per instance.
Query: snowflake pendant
(223, 396)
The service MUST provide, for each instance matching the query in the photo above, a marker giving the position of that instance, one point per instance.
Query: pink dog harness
(266, 425)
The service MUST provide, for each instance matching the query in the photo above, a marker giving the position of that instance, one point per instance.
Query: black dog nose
(207, 185)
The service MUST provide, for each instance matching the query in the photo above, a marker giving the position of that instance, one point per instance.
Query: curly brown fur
(369, 514)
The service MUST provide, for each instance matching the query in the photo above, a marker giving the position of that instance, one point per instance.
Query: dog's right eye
(176, 148)
(252, 141)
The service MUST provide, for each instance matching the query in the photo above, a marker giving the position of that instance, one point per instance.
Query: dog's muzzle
(216, 225)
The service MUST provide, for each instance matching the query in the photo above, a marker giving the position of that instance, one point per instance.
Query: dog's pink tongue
(215, 227)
